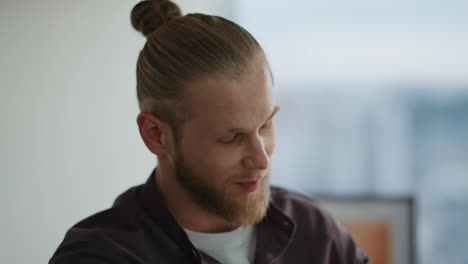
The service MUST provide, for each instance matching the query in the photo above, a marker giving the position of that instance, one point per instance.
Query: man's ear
(155, 133)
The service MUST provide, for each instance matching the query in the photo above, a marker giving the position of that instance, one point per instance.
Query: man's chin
(249, 207)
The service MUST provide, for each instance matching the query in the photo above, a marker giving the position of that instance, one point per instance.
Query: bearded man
(204, 88)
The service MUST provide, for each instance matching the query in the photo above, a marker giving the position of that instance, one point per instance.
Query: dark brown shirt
(139, 229)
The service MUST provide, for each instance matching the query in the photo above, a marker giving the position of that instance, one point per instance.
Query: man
(205, 93)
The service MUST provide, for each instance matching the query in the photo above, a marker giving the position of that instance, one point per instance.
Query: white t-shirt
(233, 247)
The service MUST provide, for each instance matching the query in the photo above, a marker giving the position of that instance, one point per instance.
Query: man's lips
(249, 186)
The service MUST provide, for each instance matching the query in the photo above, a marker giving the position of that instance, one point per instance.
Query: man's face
(222, 158)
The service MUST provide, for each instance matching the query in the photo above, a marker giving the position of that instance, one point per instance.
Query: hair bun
(148, 15)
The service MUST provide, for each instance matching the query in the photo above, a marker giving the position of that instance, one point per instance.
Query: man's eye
(231, 140)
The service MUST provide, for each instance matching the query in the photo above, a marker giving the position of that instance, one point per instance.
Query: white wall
(69, 142)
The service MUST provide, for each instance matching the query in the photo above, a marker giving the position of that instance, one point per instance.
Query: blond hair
(182, 49)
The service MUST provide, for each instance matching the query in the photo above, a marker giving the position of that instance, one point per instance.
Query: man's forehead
(226, 120)
(234, 125)
(227, 99)
(214, 95)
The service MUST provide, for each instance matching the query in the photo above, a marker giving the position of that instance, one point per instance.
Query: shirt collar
(152, 201)
(274, 232)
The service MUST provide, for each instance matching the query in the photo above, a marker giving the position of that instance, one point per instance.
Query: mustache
(251, 178)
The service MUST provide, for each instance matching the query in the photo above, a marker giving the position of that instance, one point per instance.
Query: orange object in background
(373, 237)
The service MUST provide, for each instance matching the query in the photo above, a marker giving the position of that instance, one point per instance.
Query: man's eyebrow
(273, 113)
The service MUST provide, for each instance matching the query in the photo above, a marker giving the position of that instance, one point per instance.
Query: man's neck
(184, 209)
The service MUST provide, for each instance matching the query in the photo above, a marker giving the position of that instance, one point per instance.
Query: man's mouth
(249, 186)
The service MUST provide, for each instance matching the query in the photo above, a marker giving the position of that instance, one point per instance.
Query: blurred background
(373, 96)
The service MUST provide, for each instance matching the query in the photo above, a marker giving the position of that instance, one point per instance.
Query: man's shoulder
(103, 234)
(288, 199)
(281, 195)
(305, 210)
(316, 228)
(122, 213)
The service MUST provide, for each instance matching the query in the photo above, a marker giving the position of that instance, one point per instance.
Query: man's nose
(257, 157)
